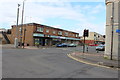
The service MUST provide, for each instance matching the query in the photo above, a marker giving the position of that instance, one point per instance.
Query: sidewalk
(95, 58)
(11, 46)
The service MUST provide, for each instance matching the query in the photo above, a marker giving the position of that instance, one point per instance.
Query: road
(49, 63)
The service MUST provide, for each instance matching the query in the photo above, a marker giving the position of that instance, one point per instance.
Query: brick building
(33, 33)
(94, 38)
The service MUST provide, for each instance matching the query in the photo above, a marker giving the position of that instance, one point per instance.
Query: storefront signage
(59, 37)
(39, 35)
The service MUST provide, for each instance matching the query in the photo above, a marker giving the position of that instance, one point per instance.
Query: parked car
(100, 48)
(93, 44)
(72, 45)
(62, 45)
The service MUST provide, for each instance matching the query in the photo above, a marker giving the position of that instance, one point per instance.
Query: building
(33, 33)
(4, 34)
(94, 38)
(3, 30)
(112, 49)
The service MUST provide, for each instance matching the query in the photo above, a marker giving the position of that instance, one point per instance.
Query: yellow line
(90, 63)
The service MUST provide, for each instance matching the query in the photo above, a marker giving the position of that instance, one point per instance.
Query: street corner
(85, 61)
(86, 54)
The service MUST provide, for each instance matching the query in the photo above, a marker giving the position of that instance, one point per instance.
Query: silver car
(100, 48)
(72, 45)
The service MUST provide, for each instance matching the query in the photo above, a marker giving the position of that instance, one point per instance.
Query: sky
(72, 15)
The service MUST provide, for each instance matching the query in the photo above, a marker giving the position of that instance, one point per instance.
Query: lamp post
(22, 25)
(112, 21)
(16, 39)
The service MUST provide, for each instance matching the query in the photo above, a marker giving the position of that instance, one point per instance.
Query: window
(39, 29)
(66, 33)
(59, 32)
(94, 35)
(77, 35)
(47, 30)
(54, 32)
(73, 34)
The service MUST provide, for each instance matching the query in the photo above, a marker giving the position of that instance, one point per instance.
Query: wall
(116, 38)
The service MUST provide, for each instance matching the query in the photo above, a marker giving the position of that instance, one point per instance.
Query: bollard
(87, 49)
(97, 51)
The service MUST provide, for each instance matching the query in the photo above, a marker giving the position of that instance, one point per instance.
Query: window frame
(47, 30)
(40, 29)
(59, 32)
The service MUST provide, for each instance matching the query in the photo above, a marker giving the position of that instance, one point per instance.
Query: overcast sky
(73, 15)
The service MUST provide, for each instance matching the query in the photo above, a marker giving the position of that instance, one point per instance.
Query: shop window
(59, 32)
(39, 29)
(37, 41)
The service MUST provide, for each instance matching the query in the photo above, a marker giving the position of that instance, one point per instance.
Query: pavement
(11, 46)
(95, 59)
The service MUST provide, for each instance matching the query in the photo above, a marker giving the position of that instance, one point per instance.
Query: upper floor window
(39, 29)
(77, 35)
(94, 35)
(59, 32)
(47, 30)
(66, 33)
(70, 34)
(54, 32)
(73, 35)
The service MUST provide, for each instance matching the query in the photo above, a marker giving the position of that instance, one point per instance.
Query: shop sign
(39, 35)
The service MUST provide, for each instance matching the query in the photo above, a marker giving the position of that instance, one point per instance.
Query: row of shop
(49, 40)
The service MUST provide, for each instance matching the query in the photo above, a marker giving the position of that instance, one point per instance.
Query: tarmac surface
(52, 62)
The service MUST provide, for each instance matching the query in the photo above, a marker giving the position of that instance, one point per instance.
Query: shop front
(49, 40)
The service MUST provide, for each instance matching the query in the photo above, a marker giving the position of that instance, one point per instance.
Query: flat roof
(45, 26)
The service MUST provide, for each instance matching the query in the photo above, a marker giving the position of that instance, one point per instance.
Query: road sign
(117, 31)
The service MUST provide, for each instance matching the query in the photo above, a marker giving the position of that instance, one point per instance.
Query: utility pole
(16, 39)
(21, 32)
(24, 37)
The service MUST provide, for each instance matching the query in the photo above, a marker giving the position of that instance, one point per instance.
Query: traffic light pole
(84, 45)
(85, 34)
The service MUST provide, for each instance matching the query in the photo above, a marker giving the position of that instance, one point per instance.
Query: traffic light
(86, 33)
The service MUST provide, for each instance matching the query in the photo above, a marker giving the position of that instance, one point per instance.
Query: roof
(45, 26)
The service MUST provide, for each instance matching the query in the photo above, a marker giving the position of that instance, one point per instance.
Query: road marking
(90, 63)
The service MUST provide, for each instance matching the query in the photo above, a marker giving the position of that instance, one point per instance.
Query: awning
(57, 37)
(38, 35)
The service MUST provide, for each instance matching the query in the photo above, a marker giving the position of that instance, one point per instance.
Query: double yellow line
(90, 63)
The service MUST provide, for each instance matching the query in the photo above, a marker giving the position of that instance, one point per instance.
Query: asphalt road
(49, 63)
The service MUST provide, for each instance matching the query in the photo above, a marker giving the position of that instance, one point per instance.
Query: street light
(22, 25)
(112, 21)
(16, 38)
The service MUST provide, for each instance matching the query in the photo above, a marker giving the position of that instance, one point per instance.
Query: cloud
(54, 0)
(40, 12)
(97, 9)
